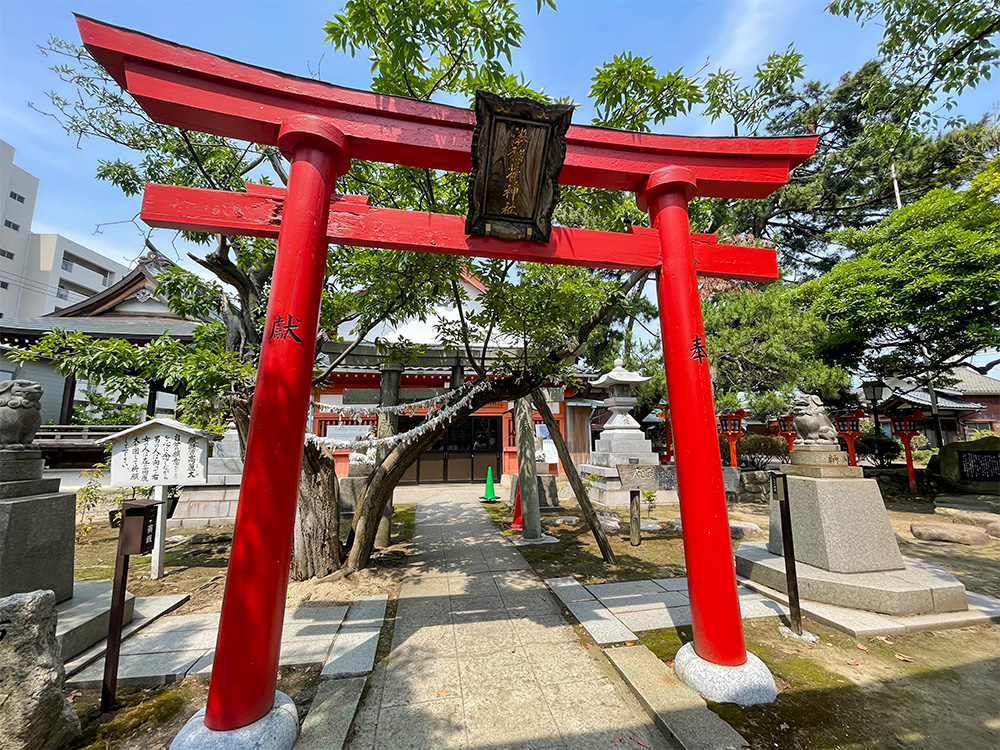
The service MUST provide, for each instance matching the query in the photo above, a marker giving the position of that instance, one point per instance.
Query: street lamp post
(874, 391)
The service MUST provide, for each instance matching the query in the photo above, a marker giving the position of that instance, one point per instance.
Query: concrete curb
(681, 715)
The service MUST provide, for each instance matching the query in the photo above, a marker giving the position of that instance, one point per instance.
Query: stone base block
(209, 505)
(824, 472)
(837, 524)
(83, 620)
(918, 588)
(37, 536)
(813, 455)
(225, 465)
(28, 488)
(548, 493)
(276, 730)
(19, 465)
(749, 684)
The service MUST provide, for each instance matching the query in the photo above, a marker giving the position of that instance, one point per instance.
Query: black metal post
(780, 490)
(634, 519)
(110, 682)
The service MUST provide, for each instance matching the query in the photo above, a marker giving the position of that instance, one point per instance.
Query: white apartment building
(41, 273)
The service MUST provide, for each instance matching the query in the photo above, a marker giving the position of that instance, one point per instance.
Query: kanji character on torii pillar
(320, 127)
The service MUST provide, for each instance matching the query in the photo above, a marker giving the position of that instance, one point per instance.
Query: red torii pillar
(321, 126)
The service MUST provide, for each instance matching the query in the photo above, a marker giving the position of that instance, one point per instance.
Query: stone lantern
(622, 437)
(622, 442)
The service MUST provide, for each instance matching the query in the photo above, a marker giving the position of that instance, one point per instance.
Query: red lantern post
(849, 428)
(905, 428)
(785, 426)
(731, 427)
(668, 452)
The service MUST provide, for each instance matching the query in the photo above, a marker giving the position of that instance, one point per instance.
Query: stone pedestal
(548, 493)
(844, 545)
(37, 528)
(839, 521)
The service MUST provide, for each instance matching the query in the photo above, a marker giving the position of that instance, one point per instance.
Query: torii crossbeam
(320, 128)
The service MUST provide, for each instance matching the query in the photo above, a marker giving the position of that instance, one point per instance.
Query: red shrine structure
(321, 128)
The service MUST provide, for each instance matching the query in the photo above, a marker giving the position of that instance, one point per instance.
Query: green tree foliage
(925, 285)
(764, 341)
(848, 182)
(938, 46)
(756, 452)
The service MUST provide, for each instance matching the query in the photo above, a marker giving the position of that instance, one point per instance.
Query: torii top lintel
(200, 91)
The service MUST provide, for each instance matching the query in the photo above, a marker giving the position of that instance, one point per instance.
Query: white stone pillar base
(276, 730)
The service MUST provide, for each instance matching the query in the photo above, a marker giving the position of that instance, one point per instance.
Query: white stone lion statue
(20, 413)
(811, 422)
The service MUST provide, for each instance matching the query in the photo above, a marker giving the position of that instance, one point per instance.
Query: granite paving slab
(639, 602)
(353, 651)
(653, 619)
(672, 584)
(628, 588)
(600, 623)
(568, 589)
(146, 670)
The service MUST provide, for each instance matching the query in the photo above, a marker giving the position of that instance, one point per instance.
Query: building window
(67, 265)
(16, 196)
(4, 284)
(11, 225)
(62, 293)
(6, 254)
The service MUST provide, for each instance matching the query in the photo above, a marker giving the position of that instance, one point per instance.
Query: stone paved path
(482, 657)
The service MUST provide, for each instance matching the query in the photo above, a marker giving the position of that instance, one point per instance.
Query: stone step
(83, 619)
(28, 468)
(147, 610)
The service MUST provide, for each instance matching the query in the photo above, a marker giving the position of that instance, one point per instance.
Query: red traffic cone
(517, 523)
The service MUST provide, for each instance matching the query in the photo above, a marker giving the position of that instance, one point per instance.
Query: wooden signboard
(159, 452)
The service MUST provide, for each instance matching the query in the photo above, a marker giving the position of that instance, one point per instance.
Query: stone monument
(844, 545)
(37, 521)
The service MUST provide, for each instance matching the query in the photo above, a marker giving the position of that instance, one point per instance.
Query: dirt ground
(196, 559)
(935, 691)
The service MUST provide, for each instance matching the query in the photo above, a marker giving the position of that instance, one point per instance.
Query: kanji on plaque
(159, 452)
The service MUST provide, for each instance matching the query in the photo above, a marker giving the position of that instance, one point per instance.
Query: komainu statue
(811, 422)
(20, 413)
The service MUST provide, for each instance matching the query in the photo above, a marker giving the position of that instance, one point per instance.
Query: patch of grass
(404, 522)
(138, 711)
(835, 694)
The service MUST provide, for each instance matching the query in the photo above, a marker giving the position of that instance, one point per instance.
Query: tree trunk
(316, 540)
(388, 425)
(574, 479)
(527, 476)
(388, 473)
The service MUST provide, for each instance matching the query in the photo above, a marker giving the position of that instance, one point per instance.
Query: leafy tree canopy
(937, 46)
(924, 289)
(762, 344)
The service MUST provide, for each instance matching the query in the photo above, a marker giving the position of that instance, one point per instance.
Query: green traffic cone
(491, 496)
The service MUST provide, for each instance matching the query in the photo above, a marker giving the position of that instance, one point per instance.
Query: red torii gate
(320, 128)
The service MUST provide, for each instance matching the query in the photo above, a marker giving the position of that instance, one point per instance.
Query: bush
(924, 456)
(980, 434)
(881, 450)
(757, 451)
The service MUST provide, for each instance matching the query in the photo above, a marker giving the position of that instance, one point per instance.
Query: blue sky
(560, 52)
